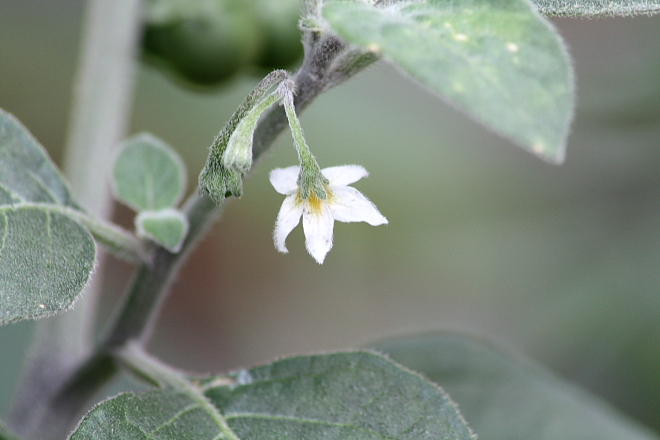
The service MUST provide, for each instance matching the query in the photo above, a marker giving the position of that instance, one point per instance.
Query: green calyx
(312, 183)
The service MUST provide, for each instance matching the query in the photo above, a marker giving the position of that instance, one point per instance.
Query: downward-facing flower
(320, 203)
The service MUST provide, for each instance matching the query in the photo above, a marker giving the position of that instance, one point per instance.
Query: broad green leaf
(148, 174)
(45, 261)
(497, 60)
(356, 396)
(507, 397)
(154, 415)
(595, 8)
(167, 227)
(26, 172)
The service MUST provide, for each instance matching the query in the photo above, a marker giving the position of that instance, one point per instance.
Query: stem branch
(152, 369)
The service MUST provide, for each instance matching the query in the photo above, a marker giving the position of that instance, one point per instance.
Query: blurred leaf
(26, 172)
(507, 397)
(341, 396)
(592, 8)
(5, 434)
(46, 259)
(499, 61)
(148, 174)
(154, 415)
(167, 227)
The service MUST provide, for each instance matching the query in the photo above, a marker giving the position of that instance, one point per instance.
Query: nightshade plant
(499, 61)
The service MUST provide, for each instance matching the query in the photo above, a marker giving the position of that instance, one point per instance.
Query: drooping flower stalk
(318, 196)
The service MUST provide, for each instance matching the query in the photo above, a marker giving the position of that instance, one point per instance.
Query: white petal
(344, 175)
(287, 219)
(318, 232)
(350, 205)
(285, 180)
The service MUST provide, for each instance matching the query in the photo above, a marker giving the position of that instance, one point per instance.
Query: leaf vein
(54, 198)
(173, 418)
(305, 420)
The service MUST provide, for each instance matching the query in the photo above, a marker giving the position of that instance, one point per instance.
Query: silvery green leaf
(499, 61)
(148, 174)
(357, 396)
(505, 396)
(167, 227)
(26, 172)
(154, 415)
(46, 259)
(595, 8)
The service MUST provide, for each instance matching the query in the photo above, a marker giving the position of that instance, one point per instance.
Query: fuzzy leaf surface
(357, 396)
(499, 61)
(46, 259)
(167, 227)
(596, 8)
(508, 397)
(26, 172)
(148, 174)
(154, 415)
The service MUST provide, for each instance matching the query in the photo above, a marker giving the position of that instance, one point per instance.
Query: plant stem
(152, 369)
(119, 242)
(103, 92)
(151, 282)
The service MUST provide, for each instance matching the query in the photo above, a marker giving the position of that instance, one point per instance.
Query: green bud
(238, 154)
(222, 175)
(219, 182)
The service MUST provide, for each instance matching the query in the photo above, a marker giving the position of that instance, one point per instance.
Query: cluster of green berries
(207, 42)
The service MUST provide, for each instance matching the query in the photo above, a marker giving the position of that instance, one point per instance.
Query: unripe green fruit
(204, 48)
(280, 42)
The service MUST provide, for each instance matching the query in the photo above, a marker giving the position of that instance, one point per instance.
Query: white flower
(342, 203)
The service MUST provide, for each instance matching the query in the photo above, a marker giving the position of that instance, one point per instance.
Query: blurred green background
(560, 262)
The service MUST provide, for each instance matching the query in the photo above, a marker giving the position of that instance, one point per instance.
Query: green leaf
(46, 259)
(154, 415)
(26, 172)
(507, 397)
(595, 8)
(148, 174)
(341, 396)
(167, 227)
(497, 60)
(355, 396)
